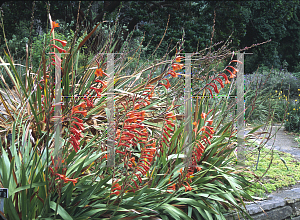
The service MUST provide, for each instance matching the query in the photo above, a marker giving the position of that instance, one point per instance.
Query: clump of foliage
(137, 161)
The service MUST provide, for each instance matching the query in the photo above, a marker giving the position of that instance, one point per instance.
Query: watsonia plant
(150, 179)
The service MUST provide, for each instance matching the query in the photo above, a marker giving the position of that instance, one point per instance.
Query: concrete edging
(279, 206)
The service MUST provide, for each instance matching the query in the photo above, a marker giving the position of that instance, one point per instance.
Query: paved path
(281, 141)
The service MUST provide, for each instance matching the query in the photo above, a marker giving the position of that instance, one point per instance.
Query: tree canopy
(247, 22)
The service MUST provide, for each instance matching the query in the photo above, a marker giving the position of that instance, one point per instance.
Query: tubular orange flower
(225, 77)
(215, 87)
(220, 81)
(53, 25)
(187, 188)
(168, 85)
(99, 72)
(75, 143)
(172, 187)
(210, 92)
(234, 69)
(237, 61)
(203, 115)
(98, 91)
(102, 82)
(170, 115)
(66, 180)
(210, 121)
(60, 176)
(80, 125)
(77, 133)
(231, 74)
(206, 140)
(177, 66)
(63, 42)
(60, 50)
(173, 73)
(178, 58)
(84, 112)
(88, 102)
(208, 134)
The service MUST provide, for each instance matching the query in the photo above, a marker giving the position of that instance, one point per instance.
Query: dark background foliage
(248, 22)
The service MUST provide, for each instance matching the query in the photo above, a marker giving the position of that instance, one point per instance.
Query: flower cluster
(176, 66)
(62, 176)
(169, 126)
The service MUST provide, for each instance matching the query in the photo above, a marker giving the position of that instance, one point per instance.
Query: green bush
(292, 121)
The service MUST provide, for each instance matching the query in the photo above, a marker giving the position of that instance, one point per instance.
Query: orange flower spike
(178, 59)
(63, 42)
(53, 25)
(99, 72)
(177, 66)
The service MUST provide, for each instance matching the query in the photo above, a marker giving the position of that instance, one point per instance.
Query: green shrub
(292, 121)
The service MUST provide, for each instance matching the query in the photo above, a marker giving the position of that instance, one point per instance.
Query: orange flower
(234, 69)
(198, 169)
(177, 66)
(104, 83)
(220, 81)
(237, 61)
(66, 180)
(170, 115)
(215, 87)
(172, 187)
(63, 42)
(225, 77)
(168, 85)
(203, 115)
(60, 50)
(210, 121)
(231, 74)
(187, 188)
(178, 58)
(84, 113)
(54, 25)
(99, 72)
(173, 73)
(60, 176)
